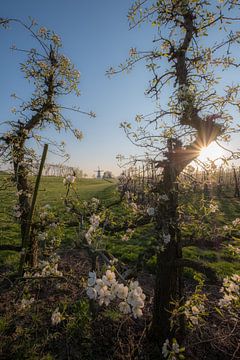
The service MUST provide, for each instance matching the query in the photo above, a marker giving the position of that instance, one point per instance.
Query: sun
(211, 152)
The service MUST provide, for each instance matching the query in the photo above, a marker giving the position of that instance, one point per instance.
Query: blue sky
(95, 36)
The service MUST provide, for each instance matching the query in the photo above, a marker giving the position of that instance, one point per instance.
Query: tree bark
(168, 278)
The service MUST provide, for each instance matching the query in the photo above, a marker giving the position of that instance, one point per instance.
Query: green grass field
(52, 192)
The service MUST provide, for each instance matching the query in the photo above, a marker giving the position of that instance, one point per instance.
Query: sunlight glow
(211, 152)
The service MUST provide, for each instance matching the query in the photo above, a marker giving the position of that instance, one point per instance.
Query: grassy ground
(29, 333)
(52, 192)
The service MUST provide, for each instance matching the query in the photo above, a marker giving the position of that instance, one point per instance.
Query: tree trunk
(23, 187)
(237, 191)
(168, 287)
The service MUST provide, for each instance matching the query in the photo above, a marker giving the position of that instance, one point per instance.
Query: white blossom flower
(133, 285)
(225, 301)
(125, 237)
(127, 195)
(42, 236)
(134, 206)
(43, 215)
(95, 220)
(135, 299)
(92, 277)
(104, 296)
(122, 291)
(138, 118)
(151, 211)
(132, 52)
(213, 208)
(53, 225)
(18, 214)
(114, 290)
(165, 350)
(109, 278)
(164, 197)
(42, 31)
(91, 293)
(236, 222)
(137, 311)
(99, 285)
(27, 274)
(69, 179)
(236, 277)
(233, 287)
(166, 238)
(195, 310)
(78, 134)
(56, 39)
(56, 317)
(88, 235)
(47, 206)
(95, 201)
(16, 211)
(124, 307)
(171, 351)
(235, 250)
(25, 303)
(194, 320)
(175, 347)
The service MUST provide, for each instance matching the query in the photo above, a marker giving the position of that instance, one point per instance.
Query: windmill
(98, 171)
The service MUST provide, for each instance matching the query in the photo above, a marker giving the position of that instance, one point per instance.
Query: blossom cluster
(107, 288)
(49, 229)
(150, 211)
(92, 205)
(235, 224)
(134, 206)
(56, 317)
(231, 292)
(69, 180)
(166, 238)
(233, 250)
(94, 221)
(78, 134)
(213, 208)
(21, 192)
(172, 351)
(17, 211)
(26, 303)
(44, 214)
(194, 307)
(194, 312)
(163, 197)
(46, 268)
(128, 234)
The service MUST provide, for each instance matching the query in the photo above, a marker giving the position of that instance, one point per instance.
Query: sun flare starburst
(211, 153)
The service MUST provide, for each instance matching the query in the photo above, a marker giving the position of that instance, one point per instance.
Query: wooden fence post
(31, 212)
